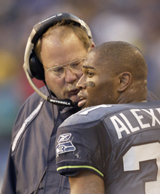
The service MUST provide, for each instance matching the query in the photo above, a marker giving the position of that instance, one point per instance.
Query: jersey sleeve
(79, 147)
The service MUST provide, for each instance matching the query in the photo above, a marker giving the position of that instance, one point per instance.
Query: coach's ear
(125, 79)
(92, 46)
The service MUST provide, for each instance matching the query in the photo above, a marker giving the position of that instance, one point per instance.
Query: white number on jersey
(140, 153)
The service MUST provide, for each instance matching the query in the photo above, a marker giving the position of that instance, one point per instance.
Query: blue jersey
(120, 143)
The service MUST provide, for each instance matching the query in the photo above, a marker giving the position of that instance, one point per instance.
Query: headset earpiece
(36, 67)
(31, 62)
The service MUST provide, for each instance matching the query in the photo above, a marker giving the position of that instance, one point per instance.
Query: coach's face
(57, 56)
(97, 84)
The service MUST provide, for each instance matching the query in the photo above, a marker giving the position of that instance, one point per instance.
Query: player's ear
(124, 81)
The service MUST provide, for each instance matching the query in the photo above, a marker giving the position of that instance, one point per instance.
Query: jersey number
(137, 154)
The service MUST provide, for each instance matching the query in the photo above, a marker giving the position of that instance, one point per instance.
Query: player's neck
(127, 97)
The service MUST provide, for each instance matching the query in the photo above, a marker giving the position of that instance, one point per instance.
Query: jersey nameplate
(139, 119)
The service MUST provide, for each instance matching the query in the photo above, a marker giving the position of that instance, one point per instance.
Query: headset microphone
(32, 66)
(65, 102)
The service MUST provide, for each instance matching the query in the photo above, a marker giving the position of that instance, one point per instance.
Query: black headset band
(41, 27)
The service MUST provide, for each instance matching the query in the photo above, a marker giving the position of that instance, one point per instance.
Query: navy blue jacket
(32, 149)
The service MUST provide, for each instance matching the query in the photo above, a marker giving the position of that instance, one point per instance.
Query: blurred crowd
(134, 21)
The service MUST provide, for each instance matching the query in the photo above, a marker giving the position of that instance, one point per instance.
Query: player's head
(114, 72)
(60, 51)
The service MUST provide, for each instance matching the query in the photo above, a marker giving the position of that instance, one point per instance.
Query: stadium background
(135, 21)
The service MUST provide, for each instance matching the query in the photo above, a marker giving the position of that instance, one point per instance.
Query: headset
(32, 66)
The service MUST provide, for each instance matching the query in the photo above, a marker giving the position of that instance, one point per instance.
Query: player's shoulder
(151, 96)
(94, 113)
(87, 115)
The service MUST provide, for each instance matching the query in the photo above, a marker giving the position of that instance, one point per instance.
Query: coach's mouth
(73, 92)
